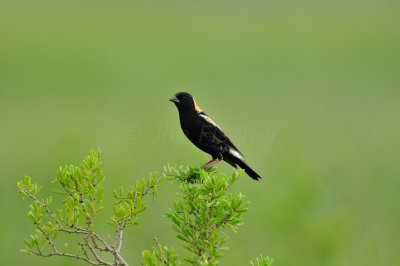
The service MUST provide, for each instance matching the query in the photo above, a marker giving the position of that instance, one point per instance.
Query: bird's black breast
(203, 134)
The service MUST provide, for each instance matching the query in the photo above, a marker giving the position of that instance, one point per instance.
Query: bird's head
(185, 101)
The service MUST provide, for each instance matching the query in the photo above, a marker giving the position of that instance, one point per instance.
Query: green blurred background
(309, 91)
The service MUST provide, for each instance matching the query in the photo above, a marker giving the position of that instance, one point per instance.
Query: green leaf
(27, 243)
(181, 237)
(55, 234)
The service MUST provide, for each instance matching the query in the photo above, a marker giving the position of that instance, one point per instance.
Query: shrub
(201, 215)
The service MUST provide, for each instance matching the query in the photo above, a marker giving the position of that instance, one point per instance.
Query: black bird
(203, 132)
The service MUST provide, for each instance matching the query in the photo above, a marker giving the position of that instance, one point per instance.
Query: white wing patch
(235, 153)
(209, 120)
(232, 150)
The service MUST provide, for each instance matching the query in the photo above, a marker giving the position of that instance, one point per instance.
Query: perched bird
(203, 132)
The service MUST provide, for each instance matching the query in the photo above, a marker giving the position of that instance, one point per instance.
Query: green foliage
(202, 215)
(82, 197)
(204, 209)
(160, 255)
(129, 203)
(262, 261)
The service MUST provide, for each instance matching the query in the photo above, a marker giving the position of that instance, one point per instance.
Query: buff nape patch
(198, 109)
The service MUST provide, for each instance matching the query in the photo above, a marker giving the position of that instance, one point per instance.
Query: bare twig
(110, 249)
(121, 238)
(96, 246)
(66, 255)
(82, 245)
(101, 262)
(30, 195)
(67, 190)
(117, 229)
(163, 258)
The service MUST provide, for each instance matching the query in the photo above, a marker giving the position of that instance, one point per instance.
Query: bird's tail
(250, 172)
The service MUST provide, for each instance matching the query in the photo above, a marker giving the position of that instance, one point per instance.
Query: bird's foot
(210, 163)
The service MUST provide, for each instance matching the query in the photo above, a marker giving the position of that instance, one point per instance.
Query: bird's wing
(218, 132)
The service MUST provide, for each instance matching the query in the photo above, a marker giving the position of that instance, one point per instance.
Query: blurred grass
(321, 78)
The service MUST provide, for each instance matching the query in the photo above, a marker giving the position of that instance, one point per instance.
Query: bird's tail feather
(247, 169)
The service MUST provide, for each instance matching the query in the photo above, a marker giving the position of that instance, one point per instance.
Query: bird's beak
(174, 99)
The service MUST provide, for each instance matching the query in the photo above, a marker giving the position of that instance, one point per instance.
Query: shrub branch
(82, 198)
(202, 215)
